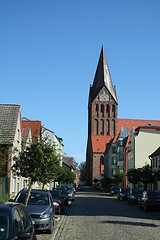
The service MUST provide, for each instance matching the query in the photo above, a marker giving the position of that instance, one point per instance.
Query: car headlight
(55, 204)
(45, 215)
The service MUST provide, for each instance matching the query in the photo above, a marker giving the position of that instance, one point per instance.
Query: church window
(113, 127)
(102, 127)
(96, 126)
(108, 111)
(113, 111)
(102, 110)
(97, 109)
(108, 127)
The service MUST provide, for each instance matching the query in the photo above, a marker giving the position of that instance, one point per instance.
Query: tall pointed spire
(102, 76)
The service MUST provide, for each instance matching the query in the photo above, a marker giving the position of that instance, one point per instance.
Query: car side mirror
(11, 200)
(24, 235)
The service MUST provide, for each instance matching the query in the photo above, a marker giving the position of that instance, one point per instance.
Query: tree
(66, 175)
(38, 162)
(147, 175)
(134, 176)
(3, 159)
(82, 170)
(119, 178)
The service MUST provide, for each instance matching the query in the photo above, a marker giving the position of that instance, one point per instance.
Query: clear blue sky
(49, 52)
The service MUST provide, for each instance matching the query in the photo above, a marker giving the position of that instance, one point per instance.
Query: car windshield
(35, 198)
(4, 225)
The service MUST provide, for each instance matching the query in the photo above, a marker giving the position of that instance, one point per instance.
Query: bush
(4, 197)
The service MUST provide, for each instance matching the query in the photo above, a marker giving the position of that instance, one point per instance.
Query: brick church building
(102, 119)
(103, 125)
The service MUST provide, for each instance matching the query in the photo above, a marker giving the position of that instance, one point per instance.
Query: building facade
(102, 119)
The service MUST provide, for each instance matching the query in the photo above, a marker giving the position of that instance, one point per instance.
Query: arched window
(102, 127)
(102, 110)
(97, 110)
(113, 111)
(113, 127)
(96, 126)
(108, 110)
(108, 127)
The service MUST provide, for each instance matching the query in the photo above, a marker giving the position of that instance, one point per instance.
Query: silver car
(40, 207)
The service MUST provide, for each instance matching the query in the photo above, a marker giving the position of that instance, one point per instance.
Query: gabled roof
(155, 153)
(8, 122)
(35, 126)
(102, 78)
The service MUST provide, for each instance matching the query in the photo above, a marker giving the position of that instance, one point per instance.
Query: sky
(49, 51)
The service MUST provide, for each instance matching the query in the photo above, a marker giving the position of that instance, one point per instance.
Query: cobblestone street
(94, 215)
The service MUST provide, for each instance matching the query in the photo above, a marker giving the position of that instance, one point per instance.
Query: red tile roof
(136, 123)
(35, 126)
(99, 142)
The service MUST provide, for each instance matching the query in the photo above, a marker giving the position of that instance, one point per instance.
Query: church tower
(102, 119)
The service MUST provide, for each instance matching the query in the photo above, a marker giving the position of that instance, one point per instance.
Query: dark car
(64, 195)
(81, 187)
(114, 190)
(15, 222)
(149, 200)
(134, 195)
(40, 207)
(123, 193)
(70, 193)
(57, 200)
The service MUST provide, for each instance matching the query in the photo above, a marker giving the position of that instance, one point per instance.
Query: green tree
(119, 178)
(82, 170)
(147, 175)
(3, 159)
(38, 162)
(66, 175)
(134, 176)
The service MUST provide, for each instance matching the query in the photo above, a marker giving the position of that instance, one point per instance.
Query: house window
(156, 163)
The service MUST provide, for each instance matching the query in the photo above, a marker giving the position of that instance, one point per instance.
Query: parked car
(70, 193)
(149, 200)
(15, 222)
(80, 187)
(57, 200)
(64, 195)
(40, 207)
(114, 190)
(134, 195)
(123, 193)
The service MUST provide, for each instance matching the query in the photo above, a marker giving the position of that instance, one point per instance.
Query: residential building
(155, 164)
(10, 139)
(57, 142)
